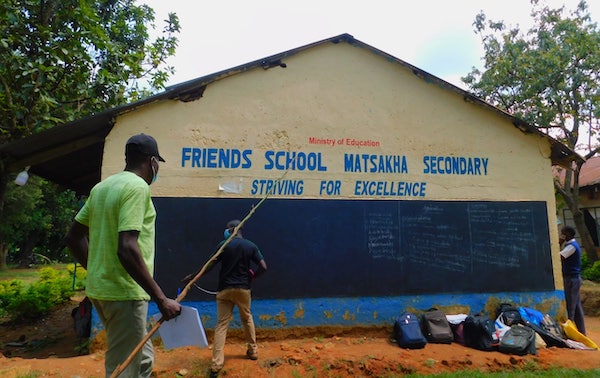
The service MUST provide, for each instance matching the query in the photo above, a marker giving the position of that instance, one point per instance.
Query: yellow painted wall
(341, 93)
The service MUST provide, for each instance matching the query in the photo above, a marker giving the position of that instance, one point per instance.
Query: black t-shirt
(238, 257)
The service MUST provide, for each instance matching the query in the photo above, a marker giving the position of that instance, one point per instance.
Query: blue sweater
(571, 266)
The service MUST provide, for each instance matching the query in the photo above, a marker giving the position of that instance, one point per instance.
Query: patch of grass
(430, 362)
(27, 275)
(359, 341)
(30, 275)
(312, 370)
(530, 365)
(83, 347)
(552, 373)
(32, 374)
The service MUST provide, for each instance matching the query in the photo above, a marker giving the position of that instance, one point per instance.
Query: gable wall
(340, 93)
(321, 95)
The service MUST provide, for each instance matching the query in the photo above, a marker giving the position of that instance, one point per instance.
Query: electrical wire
(204, 290)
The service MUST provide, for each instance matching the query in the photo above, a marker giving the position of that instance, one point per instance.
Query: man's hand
(169, 308)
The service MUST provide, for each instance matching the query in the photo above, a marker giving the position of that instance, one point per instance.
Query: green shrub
(592, 272)
(585, 261)
(52, 288)
(9, 290)
(80, 275)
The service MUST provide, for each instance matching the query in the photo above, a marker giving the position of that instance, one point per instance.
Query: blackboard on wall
(346, 248)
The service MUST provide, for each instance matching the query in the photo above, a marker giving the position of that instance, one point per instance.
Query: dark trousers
(572, 297)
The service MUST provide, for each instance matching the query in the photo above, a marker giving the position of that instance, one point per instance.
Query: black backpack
(549, 337)
(82, 318)
(436, 327)
(519, 340)
(552, 326)
(508, 314)
(479, 332)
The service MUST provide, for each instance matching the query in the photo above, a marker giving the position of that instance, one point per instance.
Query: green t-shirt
(122, 202)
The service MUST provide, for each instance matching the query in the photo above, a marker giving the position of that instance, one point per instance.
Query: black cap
(145, 144)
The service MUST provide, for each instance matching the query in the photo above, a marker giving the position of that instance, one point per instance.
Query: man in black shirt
(235, 278)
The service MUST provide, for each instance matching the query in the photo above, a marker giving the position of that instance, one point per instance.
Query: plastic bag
(573, 333)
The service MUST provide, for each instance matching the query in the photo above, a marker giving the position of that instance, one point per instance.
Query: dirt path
(356, 353)
(340, 356)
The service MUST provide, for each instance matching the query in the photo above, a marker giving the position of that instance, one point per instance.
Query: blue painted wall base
(352, 312)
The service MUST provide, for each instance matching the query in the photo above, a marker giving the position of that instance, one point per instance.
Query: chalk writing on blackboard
(386, 247)
(434, 240)
(382, 236)
(501, 236)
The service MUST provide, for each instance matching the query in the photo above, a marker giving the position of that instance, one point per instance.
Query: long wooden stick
(120, 368)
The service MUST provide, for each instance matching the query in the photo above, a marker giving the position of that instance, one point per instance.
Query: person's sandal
(252, 355)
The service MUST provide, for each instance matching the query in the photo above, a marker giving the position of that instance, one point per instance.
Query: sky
(435, 36)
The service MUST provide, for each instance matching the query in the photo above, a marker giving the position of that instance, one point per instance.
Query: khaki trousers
(125, 325)
(226, 300)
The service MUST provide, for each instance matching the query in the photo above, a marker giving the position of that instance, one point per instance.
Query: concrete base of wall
(372, 311)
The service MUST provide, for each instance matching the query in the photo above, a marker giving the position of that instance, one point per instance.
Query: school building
(388, 188)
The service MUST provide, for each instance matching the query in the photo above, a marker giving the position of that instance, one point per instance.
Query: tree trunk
(25, 255)
(4, 178)
(3, 255)
(569, 190)
(584, 235)
(3, 184)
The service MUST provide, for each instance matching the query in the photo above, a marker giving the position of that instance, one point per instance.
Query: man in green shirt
(113, 238)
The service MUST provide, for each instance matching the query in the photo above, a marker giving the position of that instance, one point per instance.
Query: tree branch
(592, 153)
(7, 90)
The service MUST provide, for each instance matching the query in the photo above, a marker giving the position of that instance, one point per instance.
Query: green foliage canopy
(548, 76)
(37, 218)
(65, 59)
(62, 60)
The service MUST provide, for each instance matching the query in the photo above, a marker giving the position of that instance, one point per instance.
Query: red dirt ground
(51, 351)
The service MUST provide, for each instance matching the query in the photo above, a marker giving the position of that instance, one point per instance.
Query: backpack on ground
(436, 327)
(549, 338)
(552, 326)
(519, 340)
(82, 318)
(480, 332)
(457, 323)
(509, 314)
(407, 332)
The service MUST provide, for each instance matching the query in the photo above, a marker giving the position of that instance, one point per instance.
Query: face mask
(226, 233)
(154, 172)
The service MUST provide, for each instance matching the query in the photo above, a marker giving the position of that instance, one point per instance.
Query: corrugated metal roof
(589, 175)
(71, 154)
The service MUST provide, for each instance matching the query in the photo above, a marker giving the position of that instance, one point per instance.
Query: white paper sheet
(184, 330)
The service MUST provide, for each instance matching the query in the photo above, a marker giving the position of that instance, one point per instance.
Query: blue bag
(531, 315)
(407, 332)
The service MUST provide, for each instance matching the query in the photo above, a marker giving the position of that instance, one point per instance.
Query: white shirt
(568, 250)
